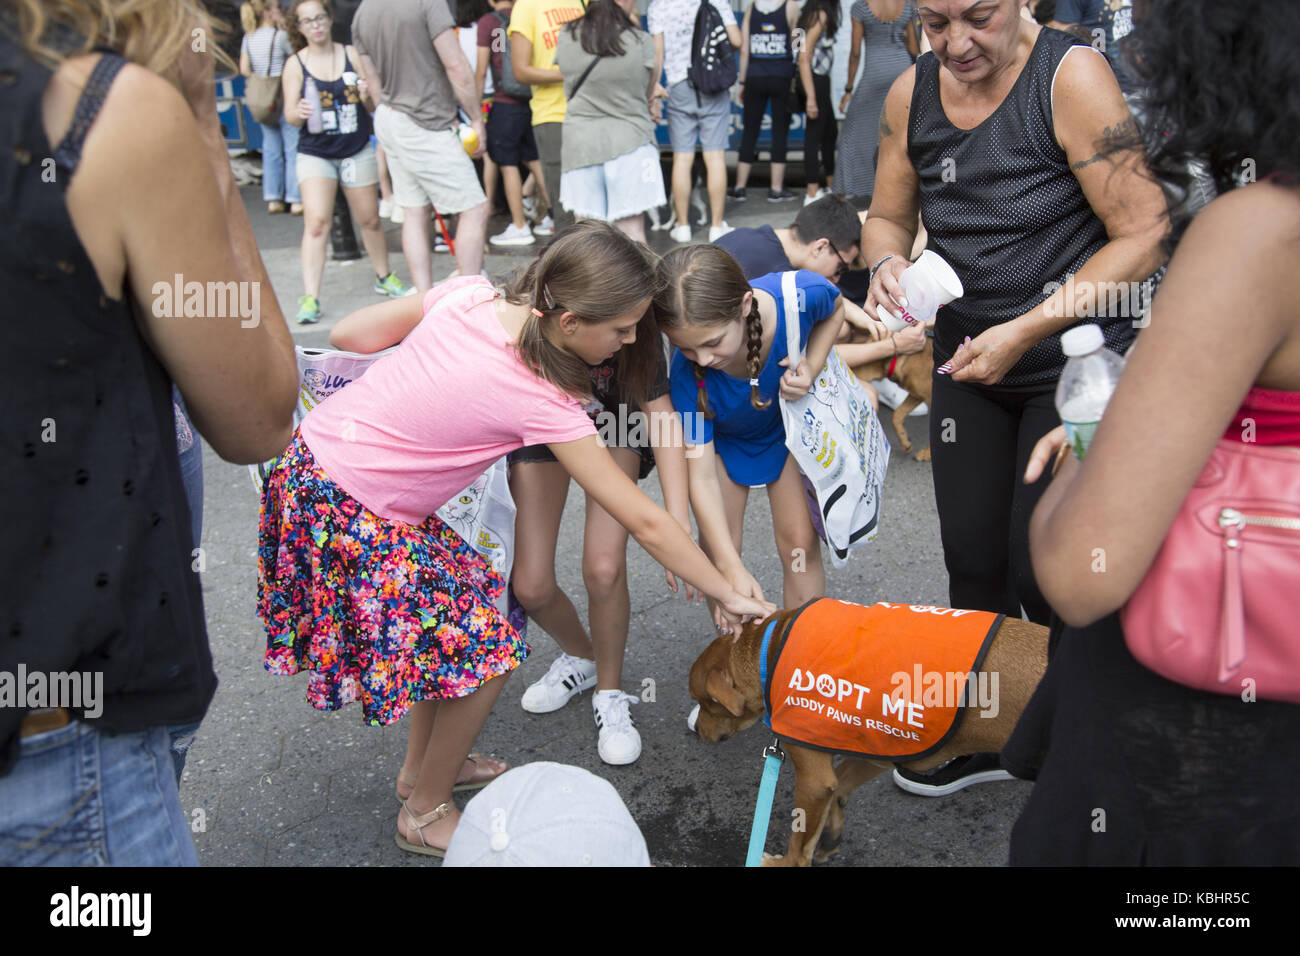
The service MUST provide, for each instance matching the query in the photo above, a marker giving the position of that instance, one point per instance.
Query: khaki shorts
(427, 166)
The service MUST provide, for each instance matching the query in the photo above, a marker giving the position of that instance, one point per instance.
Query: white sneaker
(809, 200)
(530, 209)
(440, 244)
(398, 215)
(890, 393)
(680, 234)
(717, 232)
(513, 236)
(568, 677)
(619, 741)
(385, 209)
(544, 228)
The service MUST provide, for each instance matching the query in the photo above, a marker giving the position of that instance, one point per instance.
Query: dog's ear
(722, 690)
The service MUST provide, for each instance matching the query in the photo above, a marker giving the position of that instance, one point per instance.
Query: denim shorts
(706, 120)
(359, 170)
(80, 797)
(626, 185)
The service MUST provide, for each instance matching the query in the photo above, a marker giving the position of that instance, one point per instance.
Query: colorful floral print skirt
(378, 611)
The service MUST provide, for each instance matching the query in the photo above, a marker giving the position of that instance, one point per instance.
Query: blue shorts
(626, 185)
(706, 120)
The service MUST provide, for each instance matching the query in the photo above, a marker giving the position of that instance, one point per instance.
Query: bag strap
(585, 73)
(790, 297)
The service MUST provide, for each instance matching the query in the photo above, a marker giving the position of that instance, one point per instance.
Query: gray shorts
(706, 121)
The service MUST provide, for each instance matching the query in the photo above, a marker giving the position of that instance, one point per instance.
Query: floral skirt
(379, 611)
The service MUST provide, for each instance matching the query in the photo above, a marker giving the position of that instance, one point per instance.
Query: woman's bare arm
(1175, 399)
(147, 206)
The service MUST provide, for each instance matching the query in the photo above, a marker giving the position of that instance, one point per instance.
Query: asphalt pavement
(271, 781)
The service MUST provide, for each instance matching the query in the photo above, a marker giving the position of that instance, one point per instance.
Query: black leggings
(758, 91)
(980, 440)
(821, 134)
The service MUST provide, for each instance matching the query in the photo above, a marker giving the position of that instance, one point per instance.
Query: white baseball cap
(547, 814)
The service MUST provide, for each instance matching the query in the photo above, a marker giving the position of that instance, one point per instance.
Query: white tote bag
(837, 442)
(482, 514)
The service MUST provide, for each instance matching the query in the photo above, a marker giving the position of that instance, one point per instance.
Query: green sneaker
(392, 286)
(308, 310)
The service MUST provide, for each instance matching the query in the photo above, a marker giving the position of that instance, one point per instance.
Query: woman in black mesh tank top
(997, 138)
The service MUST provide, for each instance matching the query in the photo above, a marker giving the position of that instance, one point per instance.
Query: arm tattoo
(885, 128)
(1122, 136)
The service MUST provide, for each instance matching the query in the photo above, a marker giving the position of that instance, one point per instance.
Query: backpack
(713, 66)
(504, 78)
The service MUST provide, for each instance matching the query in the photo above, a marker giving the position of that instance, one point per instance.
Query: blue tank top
(346, 130)
(769, 45)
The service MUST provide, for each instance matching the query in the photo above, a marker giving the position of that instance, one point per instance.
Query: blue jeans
(79, 797)
(280, 163)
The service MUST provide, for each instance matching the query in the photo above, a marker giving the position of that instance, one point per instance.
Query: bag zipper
(1232, 625)
(1232, 518)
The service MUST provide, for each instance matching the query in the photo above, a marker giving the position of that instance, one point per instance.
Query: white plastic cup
(928, 284)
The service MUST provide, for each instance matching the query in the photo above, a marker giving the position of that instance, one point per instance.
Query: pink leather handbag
(1221, 603)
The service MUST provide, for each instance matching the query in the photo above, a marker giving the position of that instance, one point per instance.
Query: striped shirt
(267, 49)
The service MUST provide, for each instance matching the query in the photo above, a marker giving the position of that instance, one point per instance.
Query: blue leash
(773, 757)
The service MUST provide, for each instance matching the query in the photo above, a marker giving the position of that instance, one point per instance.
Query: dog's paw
(923, 454)
(772, 860)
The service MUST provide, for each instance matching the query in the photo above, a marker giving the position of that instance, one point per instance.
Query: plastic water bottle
(315, 123)
(1091, 373)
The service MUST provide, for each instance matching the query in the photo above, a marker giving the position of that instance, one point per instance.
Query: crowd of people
(1029, 155)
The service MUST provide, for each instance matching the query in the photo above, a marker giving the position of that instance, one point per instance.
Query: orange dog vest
(887, 681)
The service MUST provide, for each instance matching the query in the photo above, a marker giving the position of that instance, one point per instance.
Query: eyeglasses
(312, 21)
(843, 266)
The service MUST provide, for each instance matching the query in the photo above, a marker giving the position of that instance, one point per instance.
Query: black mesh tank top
(1003, 207)
(95, 559)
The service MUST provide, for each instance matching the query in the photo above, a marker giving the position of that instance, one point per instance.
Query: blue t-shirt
(758, 251)
(750, 441)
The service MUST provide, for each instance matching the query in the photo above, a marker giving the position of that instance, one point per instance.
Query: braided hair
(704, 285)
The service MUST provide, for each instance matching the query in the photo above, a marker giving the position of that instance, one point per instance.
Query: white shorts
(427, 166)
(626, 185)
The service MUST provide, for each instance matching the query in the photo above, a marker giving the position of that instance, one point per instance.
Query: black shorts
(510, 134)
(542, 453)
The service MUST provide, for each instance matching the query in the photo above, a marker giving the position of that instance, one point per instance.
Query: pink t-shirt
(425, 421)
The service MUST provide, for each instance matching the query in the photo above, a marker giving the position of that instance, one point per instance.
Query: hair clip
(700, 384)
(547, 297)
(537, 312)
(753, 383)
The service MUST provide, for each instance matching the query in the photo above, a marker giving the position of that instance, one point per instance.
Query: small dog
(912, 372)
(725, 681)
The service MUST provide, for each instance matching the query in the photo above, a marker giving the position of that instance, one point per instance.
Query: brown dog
(725, 681)
(912, 373)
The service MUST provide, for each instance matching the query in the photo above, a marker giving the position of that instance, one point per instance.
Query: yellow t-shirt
(540, 21)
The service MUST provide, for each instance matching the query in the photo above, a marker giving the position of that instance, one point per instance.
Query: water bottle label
(1079, 435)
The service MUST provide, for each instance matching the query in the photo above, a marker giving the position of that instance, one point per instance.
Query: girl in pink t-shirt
(360, 583)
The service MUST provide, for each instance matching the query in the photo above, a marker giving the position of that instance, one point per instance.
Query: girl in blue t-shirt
(725, 378)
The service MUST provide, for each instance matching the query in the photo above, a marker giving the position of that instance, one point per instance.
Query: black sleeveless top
(95, 560)
(769, 45)
(1004, 209)
(346, 124)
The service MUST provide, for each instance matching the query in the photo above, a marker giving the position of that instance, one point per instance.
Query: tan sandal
(470, 784)
(420, 822)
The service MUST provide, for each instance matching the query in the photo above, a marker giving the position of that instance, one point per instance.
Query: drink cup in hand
(928, 284)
